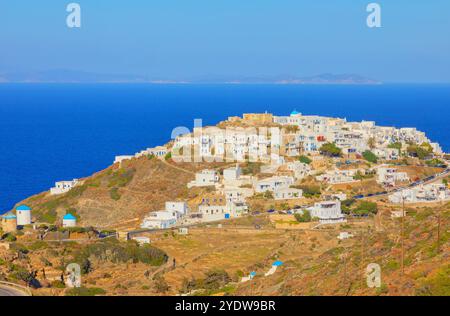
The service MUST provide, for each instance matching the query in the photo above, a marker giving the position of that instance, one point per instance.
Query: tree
(366, 207)
(396, 145)
(371, 142)
(309, 190)
(330, 149)
(304, 217)
(370, 156)
(268, 195)
(421, 151)
(304, 159)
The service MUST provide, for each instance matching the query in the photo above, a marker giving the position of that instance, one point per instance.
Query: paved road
(10, 291)
(436, 177)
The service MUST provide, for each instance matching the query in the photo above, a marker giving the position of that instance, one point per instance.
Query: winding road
(10, 290)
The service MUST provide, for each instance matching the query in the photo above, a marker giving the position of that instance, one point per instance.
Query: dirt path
(175, 167)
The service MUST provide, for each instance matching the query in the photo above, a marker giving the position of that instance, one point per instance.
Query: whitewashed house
(433, 192)
(389, 176)
(205, 178)
(287, 194)
(232, 174)
(273, 183)
(328, 212)
(386, 153)
(181, 208)
(338, 176)
(237, 194)
(300, 170)
(119, 159)
(63, 187)
(160, 220)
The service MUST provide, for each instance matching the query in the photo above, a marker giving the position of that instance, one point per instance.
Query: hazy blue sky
(189, 38)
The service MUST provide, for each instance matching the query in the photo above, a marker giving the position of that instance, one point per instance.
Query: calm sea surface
(60, 132)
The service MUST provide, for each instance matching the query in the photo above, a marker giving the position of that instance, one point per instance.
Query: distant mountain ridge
(73, 76)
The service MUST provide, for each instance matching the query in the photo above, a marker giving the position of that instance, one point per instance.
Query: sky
(182, 39)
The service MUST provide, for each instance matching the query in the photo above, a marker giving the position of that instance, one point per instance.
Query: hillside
(115, 194)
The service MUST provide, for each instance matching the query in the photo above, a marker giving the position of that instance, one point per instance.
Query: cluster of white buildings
(307, 135)
(328, 212)
(166, 218)
(205, 178)
(338, 176)
(433, 192)
(388, 176)
(158, 151)
(63, 186)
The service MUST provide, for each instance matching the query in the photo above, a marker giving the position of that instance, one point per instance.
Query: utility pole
(439, 232)
(345, 268)
(401, 236)
(362, 259)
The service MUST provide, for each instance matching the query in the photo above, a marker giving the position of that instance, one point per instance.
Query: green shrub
(58, 284)
(370, 156)
(304, 217)
(84, 291)
(304, 159)
(268, 195)
(330, 149)
(121, 177)
(251, 168)
(40, 244)
(114, 194)
(366, 207)
(309, 190)
(395, 146)
(49, 216)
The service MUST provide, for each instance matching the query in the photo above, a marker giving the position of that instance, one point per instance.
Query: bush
(119, 252)
(114, 194)
(309, 190)
(9, 237)
(251, 168)
(421, 151)
(168, 156)
(161, 285)
(366, 207)
(370, 156)
(58, 284)
(396, 145)
(268, 195)
(304, 159)
(84, 291)
(215, 279)
(49, 216)
(40, 244)
(121, 177)
(346, 205)
(434, 163)
(304, 217)
(330, 149)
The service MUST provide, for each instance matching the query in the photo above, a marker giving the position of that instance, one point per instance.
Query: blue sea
(60, 132)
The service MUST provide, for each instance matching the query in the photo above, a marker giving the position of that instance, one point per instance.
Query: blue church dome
(295, 112)
(69, 217)
(23, 207)
(9, 216)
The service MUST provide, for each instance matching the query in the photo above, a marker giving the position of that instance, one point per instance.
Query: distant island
(73, 76)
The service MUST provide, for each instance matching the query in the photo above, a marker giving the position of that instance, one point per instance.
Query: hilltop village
(296, 173)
